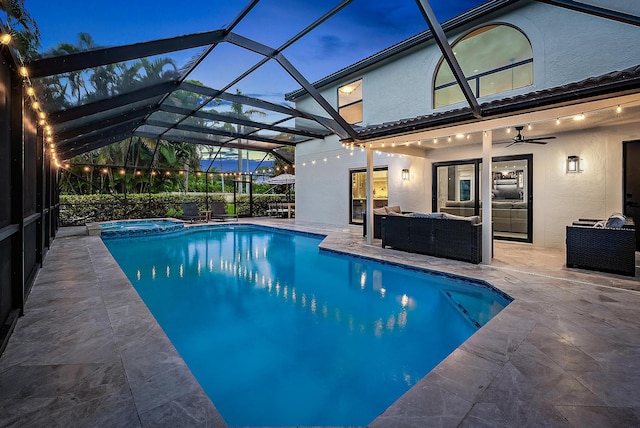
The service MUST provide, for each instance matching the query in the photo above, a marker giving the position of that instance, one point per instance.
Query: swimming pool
(281, 334)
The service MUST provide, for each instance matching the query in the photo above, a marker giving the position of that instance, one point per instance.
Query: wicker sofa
(435, 235)
(378, 214)
(607, 249)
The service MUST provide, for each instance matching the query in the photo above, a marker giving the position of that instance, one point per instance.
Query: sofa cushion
(380, 211)
(428, 215)
(502, 205)
(616, 220)
(474, 219)
(395, 209)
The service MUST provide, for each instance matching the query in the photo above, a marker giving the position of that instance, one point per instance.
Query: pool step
(459, 300)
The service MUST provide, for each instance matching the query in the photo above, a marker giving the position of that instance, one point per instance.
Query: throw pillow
(616, 220)
(380, 211)
(395, 209)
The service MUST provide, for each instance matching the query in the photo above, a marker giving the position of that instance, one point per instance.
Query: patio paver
(566, 352)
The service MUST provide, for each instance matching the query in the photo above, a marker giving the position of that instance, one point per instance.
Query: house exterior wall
(558, 197)
(323, 188)
(568, 46)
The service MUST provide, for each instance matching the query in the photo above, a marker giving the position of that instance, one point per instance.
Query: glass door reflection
(359, 191)
(456, 190)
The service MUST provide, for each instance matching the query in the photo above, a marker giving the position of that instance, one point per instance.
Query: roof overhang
(592, 93)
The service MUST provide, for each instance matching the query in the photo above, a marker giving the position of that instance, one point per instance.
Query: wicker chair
(603, 249)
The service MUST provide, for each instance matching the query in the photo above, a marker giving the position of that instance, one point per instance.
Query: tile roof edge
(616, 82)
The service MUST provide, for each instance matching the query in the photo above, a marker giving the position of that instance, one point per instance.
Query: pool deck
(564, 353)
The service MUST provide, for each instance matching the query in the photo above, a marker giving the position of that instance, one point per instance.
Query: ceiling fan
(519, 139)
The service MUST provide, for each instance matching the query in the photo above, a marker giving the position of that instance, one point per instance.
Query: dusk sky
(357, 31)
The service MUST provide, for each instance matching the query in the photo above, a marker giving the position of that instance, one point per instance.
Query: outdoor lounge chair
(610, 248)
(219, 211)
(190, 212)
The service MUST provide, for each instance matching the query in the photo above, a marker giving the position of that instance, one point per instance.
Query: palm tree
(23, 27)
(238, 109)
(158, 70)
(75, 79)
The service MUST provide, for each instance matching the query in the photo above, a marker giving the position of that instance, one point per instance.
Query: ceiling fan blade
(510, 144)
(543, 138)
(535, 142)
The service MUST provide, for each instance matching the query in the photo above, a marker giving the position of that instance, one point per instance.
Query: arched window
(494, 59)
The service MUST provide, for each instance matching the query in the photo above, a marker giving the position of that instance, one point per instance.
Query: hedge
(81, 209)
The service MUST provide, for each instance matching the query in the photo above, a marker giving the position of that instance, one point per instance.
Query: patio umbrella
(282, 179)
(286, 179)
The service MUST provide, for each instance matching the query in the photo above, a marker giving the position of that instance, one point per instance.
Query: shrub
(82, 209)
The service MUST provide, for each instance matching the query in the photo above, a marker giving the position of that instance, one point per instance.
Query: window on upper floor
(494, 59)
(350, 102)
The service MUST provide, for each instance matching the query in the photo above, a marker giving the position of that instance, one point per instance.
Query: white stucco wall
(568, 46)
(322, 189)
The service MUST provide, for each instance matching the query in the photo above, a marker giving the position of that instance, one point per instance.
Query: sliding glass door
(358, 191)
(457, 190)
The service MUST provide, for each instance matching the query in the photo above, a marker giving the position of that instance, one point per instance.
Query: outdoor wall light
(405, 174)
(573, 164)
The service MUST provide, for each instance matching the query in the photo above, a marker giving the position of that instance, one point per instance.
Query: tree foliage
(23, 28)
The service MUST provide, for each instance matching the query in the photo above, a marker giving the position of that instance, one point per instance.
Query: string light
(5, 39)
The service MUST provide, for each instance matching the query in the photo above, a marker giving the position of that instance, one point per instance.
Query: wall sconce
(405, 174)
(573, 164)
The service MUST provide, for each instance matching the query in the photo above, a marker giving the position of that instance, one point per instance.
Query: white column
(369, 207)
(487, 241)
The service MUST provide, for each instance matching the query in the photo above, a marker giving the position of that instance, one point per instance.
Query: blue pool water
(279, 333)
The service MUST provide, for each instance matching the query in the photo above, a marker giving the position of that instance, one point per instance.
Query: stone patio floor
(564, 353)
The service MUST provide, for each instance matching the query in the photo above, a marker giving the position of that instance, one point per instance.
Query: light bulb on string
(5, 38)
